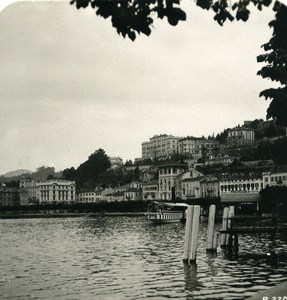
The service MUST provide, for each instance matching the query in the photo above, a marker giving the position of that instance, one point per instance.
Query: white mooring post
(187, 236)
(229, 223)
(191, 234)
(224, 226)
(211, 242)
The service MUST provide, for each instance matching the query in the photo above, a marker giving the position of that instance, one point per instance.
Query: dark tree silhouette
(276, 66)
(132, 17)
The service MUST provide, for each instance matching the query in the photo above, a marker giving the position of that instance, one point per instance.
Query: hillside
(17, 173)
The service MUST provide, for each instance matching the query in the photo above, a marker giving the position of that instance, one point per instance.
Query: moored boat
(164, 212)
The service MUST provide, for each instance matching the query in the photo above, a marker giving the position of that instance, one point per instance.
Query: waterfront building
(244, 184)
(99, 194)
(86, 197)
(274, 179)
(160, 147)
(150, 191)
(28, 191)
(56, 191)
(209, 188)
(169, 176)
(240, 137)
(9, 196)
(133, 194)
(190, 184)
(117, 196)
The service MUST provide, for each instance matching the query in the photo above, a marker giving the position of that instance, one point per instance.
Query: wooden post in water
(228, 240)
(224, 226)
(191, 234)
(214, 241)
(211, 243)
(187, 236)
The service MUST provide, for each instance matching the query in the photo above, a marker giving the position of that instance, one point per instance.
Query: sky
(69, 84)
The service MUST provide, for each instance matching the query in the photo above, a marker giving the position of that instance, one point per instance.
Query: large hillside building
(240, 137)
(160, 147)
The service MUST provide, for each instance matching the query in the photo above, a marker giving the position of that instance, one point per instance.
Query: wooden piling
(228, 240)
(187, 236)
(194, 234)
(214, 241)
(224, 226)
(211, 243)
(191, 234)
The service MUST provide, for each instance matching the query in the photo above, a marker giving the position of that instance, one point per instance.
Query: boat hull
(170, 217)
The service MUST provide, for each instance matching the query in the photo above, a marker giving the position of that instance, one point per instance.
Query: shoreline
(71, 215)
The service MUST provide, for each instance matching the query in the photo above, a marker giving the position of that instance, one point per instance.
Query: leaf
(242, 14)
(205, 4)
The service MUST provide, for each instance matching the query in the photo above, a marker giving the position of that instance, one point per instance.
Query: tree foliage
(274, 199)
(275, 69)
(132, 17)
(87, 173)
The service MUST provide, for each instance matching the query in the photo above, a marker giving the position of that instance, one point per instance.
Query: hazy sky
(69, 84)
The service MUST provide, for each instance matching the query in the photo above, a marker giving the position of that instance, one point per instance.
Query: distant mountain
(17, 173)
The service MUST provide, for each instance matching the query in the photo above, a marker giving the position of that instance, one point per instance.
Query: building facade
(197, 147)
(28, 191)
(241, 185)
(9, 196)
(240, 137)
(160, 147)
(169, 177)
(150, 191)
(274, 179)
(133, 194)
(56, 191)
(191, 187)
(86, 197)
(209, 188)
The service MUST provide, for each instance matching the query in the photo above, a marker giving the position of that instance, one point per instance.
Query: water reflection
(128, 258)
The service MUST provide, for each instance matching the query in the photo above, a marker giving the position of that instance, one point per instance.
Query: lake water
(127, 258)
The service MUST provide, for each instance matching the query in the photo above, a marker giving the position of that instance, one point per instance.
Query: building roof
(199, 178)
(172, 165)
(238, 128)
(241, 178)
(132, 190)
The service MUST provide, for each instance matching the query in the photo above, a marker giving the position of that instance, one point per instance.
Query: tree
(274, 199)
(88, 172)
(132, 17)
(276, 68)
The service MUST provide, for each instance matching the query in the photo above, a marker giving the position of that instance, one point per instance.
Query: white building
(240, 137)
(86, 197)
(274, 179)
(169, 177)
(56, 191)
(245, 184)
(150, 191)
(160, 147)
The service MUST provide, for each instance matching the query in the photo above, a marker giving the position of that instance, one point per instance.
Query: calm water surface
(127, 258)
